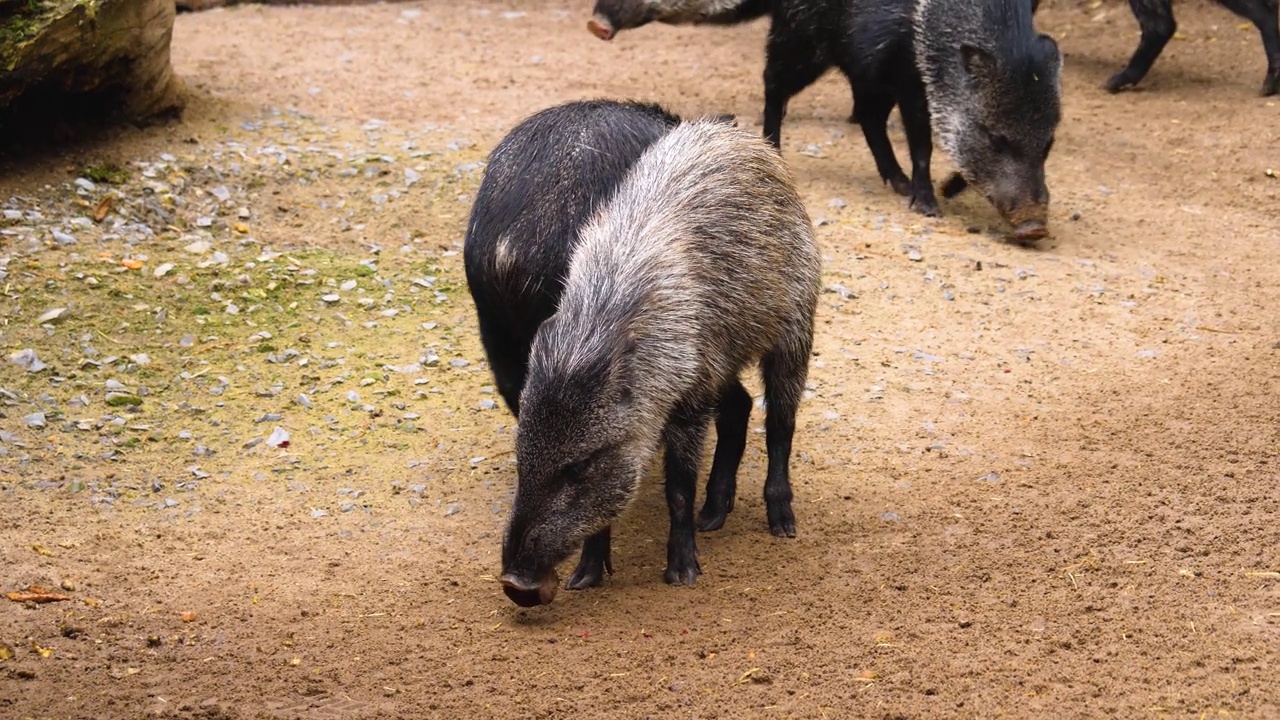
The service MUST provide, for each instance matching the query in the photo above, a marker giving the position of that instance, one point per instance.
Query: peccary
(976, 71)
(702, 262)
(543, 181)
(1155, 17)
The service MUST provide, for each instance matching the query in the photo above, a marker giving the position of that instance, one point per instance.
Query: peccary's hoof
(1271, 86)
(900, 185)
(1030, 230)
(589, 573)
(1116, 83)
(710, 519)
(782, 522)
(683, 568)
(527, 594)
(927, 206)
(600, 28)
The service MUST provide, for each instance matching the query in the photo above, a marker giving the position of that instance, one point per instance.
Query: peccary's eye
(999, 143)
(577, 471)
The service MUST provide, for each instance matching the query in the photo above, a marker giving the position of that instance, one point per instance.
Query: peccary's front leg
(733, 416)
(1155, 17)
(1263, 15)
(790, 66)
(914, 108)
(685, 432)
(873, 115)
(594, 563)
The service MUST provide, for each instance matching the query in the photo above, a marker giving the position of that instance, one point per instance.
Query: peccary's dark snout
(1030, 220)
(526, 592)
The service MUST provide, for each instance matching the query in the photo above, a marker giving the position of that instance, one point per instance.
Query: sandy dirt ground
(1030, 482)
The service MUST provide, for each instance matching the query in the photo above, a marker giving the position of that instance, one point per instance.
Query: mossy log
(65, 59)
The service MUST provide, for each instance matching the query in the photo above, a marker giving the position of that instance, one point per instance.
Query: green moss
(107, 172)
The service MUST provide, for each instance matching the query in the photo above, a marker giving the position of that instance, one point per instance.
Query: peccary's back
(705, 248)
(543, 181)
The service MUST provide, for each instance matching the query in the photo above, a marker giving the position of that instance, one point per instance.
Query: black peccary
(542, 182)
(701, 263)
(1155, 17)
(611, 16)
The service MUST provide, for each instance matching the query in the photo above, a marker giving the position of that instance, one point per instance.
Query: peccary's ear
(624, 350)
(1048, 49)
(727, 119)
(978, 63)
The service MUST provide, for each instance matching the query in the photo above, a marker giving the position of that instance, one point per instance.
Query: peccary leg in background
(594, 563)
(1263, 14)
(784, 370)
(914, 108)
(732, 420)
(683, 437)
(873, 115)
(507, 353)
(789, 68)
(1155, 17)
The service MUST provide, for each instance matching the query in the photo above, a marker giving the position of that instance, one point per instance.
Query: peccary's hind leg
(784, 370)
(685, 432)
(790, 66)
(915, 119)
(508, 357)
(594, 563)
(732, 418)
(1263, 15)
(1155, 17)
(873, 115)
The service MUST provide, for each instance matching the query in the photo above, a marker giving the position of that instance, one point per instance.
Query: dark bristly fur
(542, 182)
(1155, 17)
(701, 263)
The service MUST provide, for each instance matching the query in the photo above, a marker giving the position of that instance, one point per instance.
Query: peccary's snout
(528, 592)
(601, 27)
(1029, 216)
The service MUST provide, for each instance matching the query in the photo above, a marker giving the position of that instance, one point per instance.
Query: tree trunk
(74, 60)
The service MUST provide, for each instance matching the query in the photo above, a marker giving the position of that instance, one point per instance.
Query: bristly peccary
(977, 68)
(1155, 17)
(701, 263)
(542, 182)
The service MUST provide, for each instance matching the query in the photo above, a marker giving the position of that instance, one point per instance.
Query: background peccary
(701, 263)
(1155, 17)
(974, 70)
(543, 181)
(611, 16)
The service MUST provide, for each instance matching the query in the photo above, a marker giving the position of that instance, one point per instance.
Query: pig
(542, 181)
(701, 263)
(1155, 17)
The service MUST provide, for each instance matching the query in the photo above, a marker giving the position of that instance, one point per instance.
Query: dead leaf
(44, 652)
(36, 594)
(92, 602)
(104, 207)
(6, 652)
(42, 550)
(132, 264)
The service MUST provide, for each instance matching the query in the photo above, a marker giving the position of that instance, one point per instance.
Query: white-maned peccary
(543, 181)
(974, 71)
(701, 263)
